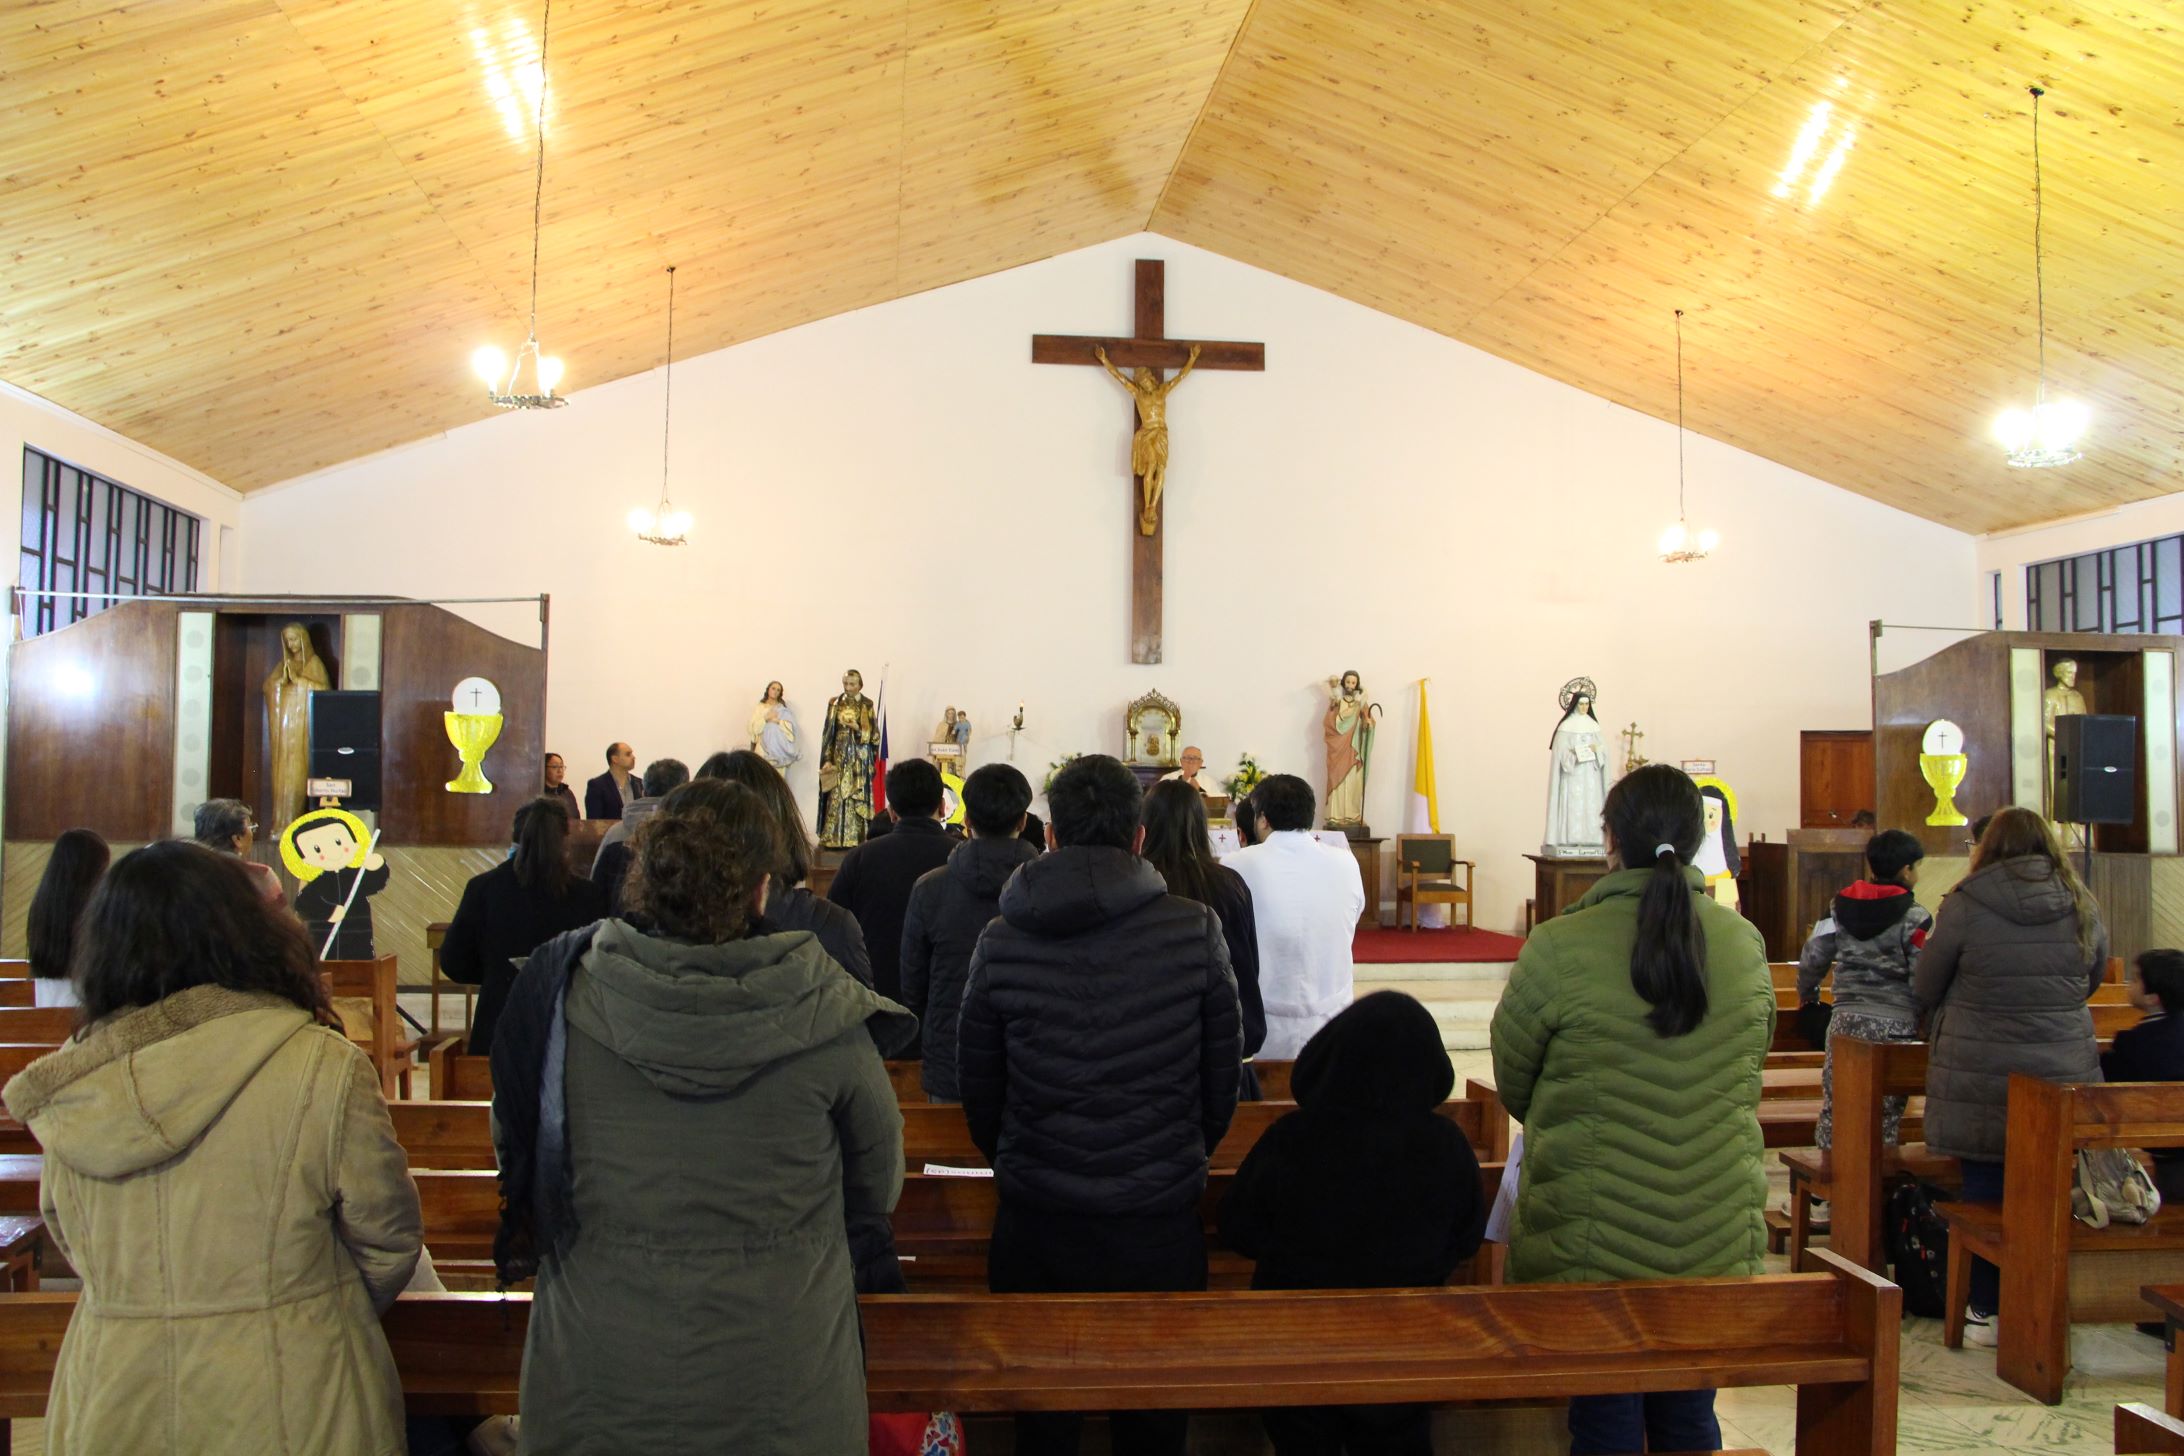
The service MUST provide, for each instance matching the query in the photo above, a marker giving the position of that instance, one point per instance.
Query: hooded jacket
(1872, 937)
(1642, 1153)
(1365, 1185)
(726, 1110)
(1099, 1049)
(223, 1175)
(949, 910)
(2008, 988)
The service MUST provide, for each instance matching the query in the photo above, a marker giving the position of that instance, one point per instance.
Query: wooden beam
(1151, 353)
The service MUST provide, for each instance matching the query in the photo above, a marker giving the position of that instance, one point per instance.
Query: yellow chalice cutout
(1943, 762)
(473, 727)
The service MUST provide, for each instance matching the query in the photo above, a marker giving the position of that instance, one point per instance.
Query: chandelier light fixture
(2048, 433)
(1678, 545)
(503, 380)
(664, 525)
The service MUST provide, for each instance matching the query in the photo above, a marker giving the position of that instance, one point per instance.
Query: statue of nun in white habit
(1577, 780)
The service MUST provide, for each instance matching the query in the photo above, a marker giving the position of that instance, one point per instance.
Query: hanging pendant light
(1678, 545)
(2048, 433)
(502, 378)
(664, 526)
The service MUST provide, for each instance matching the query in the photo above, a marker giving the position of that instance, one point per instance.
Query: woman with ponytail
(2016, 951)
(1629, 1043)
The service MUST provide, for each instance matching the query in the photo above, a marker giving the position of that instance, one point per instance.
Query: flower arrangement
(1055, 768)
(1245, 779)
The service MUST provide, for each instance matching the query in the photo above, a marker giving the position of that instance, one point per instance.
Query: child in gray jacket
(1871, 939)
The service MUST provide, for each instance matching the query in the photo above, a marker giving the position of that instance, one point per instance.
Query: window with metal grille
(2133, 588)
(85, 533)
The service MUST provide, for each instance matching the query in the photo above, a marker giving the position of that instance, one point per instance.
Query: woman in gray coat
(724, 1109)
(2016, 952)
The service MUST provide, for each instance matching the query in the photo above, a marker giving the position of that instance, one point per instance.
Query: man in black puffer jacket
(949, 910)
(1098, 1054)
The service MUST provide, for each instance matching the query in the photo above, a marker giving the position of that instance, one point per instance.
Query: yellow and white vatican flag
(1423, 814)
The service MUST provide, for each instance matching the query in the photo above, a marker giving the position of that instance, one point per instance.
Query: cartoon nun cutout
(1718, 859)
(325, 849)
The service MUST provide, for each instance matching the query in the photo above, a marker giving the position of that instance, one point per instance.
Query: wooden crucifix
(1146, 353)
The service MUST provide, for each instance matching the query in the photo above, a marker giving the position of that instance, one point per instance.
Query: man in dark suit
(876, 877)
(606, 796)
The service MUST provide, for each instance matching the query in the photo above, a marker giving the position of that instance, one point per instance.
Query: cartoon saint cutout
(326, 850)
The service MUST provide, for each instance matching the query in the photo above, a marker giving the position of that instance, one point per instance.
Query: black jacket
(839, 937)
(949, 909)
(498, 919)
(1365, 1185)
(602, 800)
(2152, 1051)
(1240, 928)
(874, 884)
(1099, 1047)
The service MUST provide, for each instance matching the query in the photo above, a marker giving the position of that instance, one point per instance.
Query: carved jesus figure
(1149, 446)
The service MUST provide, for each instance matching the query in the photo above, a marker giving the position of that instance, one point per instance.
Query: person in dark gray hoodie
(950, 906)
(2016, 952)
(1870, 940)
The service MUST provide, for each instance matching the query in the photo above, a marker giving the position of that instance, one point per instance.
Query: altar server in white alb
(1307, 897)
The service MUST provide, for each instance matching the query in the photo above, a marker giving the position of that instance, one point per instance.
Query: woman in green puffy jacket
(1629, 1043)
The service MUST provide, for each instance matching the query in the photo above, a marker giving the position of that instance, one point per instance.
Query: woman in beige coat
(221, 1170)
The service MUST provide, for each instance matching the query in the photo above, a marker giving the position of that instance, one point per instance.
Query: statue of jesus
(1149, 446)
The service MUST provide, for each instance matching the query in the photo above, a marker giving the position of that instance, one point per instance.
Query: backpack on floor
(2112, 1186)
(1917, 1241)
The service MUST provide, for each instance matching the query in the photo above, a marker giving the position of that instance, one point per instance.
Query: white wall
(900, 486)
(2010, 552)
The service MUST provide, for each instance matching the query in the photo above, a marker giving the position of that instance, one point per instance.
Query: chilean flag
(879, 769)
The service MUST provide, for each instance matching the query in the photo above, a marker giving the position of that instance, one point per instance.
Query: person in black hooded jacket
(1364, 1186)
(951, 906)
(1098, 1054)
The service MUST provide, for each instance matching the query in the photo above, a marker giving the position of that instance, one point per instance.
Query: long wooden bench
(1831, 1332)
(2053, 1267)
(46, 1026)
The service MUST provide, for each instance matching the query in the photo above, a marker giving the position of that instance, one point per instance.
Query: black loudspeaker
(345, 744)
(2096, 768)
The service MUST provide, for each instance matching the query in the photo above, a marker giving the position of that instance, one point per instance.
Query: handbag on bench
(2112, 1186)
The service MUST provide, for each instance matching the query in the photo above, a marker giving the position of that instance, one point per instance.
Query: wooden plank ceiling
(264, 235)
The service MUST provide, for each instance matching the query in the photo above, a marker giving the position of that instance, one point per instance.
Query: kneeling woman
(1630, 1044)
(684, 1118)
(221, 1171)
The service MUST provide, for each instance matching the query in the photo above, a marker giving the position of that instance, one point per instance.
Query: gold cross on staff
(1146, 353)
(1632, 758)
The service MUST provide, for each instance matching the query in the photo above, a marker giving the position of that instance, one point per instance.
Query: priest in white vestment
(1306, 898)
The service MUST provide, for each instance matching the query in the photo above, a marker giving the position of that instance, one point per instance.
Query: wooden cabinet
(1558, 884)
(1834, 776)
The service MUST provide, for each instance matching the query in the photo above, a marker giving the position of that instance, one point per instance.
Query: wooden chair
(373, 981)
(2055, 1269)
(1426, 866)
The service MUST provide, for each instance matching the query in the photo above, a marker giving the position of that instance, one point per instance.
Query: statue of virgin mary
(1577, 777)
(773, 729)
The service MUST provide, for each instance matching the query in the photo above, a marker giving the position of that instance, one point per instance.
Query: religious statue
(773, 729)
(1348, 729)
(1149, 446)
(849, 744)
(1718, 858)
(1577, 782)
(2059, 701)
(954, 728)
(288, 690)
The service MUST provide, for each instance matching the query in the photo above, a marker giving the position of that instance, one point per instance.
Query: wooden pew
(15, 991)
(1832, 1332)
(48, 1026)
(1855, 1177)
(458, 1077)
(1273, 1080)
(385, 1041)
(2053, 1267)
(2141, 1428)
(14, 970)
(2168, 1299)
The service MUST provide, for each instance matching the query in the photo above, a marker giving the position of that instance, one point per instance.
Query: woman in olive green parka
(1629, 1043)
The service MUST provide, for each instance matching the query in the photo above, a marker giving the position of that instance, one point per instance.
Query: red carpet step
(1382, 947)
